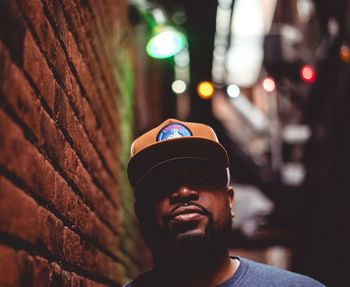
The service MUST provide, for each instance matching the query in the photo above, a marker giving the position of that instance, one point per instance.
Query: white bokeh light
(233, 91)
(178, 86)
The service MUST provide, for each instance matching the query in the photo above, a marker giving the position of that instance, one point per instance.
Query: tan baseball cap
(174, 140)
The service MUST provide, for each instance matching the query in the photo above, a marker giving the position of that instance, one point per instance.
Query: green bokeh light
(165, 43)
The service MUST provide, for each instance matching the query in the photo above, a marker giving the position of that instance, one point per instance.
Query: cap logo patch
(172, 131)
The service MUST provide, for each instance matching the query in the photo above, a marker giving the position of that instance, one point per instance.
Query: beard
(178, 242)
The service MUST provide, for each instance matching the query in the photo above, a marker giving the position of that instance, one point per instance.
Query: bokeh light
(307, 74)
(269, 84)
(205, 90)
(344, 53)
(178, 86)
(233, 91)
(165, 44)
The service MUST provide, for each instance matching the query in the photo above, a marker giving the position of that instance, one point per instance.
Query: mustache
(202, 209)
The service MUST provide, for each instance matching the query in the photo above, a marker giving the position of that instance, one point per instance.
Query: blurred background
(272, 78)
(80, 79)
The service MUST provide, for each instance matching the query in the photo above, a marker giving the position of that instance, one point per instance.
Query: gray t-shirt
(248, 274)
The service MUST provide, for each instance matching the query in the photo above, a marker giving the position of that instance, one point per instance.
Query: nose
(184, 194)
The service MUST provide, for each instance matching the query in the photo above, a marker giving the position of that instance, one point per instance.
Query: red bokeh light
(308, 74)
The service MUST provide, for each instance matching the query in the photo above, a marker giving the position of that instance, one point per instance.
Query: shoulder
(141, 281)
(267, 275)
(130, 284)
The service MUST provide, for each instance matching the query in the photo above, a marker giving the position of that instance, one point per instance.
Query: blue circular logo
(173, 131)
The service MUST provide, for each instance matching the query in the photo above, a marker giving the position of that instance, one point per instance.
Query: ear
(230, 196)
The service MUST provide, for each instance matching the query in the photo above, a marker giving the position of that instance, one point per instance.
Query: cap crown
(152, 136)
(174, 140)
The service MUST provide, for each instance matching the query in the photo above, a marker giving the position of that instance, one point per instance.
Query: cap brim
(180, 148)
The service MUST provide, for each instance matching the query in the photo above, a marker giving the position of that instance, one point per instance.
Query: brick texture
(66, 118)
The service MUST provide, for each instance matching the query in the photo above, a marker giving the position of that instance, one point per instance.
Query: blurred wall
(65, 130)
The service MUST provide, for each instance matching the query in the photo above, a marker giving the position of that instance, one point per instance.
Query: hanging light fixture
(164, 41)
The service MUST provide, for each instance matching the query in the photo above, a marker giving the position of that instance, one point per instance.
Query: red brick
(35, 224)
(85, 255)
(9, 273)
(81, 24)
(27, 106)
(72, 249)
(55, 54)
(26, 269)
(48, 230)
(85, 148)
(62, 106)
(14, 150)
(21, 269)
(16, 268)
(46, 183)
(72, 280)
(49, 44)
(55, 276)
(106, 63)
(64, 69)
(17, 212)
(41, 274)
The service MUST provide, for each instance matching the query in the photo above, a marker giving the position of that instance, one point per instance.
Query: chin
(190, 234)
(191, 239)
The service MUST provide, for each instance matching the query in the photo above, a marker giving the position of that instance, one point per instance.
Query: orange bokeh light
(344, 53)
(205, 90)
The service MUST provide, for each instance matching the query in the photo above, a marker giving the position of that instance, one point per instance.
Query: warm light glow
(344, 53)
(165, 43)
(269, 84)
(178, 86)
(205, 90)
(308, 74)
(233, 91)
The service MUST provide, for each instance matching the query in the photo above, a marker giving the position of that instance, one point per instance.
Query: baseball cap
(174, 140)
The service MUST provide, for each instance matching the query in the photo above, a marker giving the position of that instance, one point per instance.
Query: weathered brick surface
(65, 100)
(34, 11)
(23, 269)
(47, 184)
(38, 69)
(22, 100)
(80, 22)
(38, 227)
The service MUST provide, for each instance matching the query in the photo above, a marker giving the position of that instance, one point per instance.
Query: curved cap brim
(184, 147)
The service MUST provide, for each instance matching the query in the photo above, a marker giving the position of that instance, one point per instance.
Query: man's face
(187, 202)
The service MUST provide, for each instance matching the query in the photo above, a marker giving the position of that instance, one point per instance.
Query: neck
(194, 269)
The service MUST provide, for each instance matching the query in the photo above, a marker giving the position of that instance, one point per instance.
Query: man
(180, 174)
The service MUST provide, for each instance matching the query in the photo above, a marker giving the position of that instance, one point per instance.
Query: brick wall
(65, 127)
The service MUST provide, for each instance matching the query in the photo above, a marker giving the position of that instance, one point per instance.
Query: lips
(187, 213)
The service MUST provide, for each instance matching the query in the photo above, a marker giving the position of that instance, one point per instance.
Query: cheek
(218, 205)
(160, 209)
